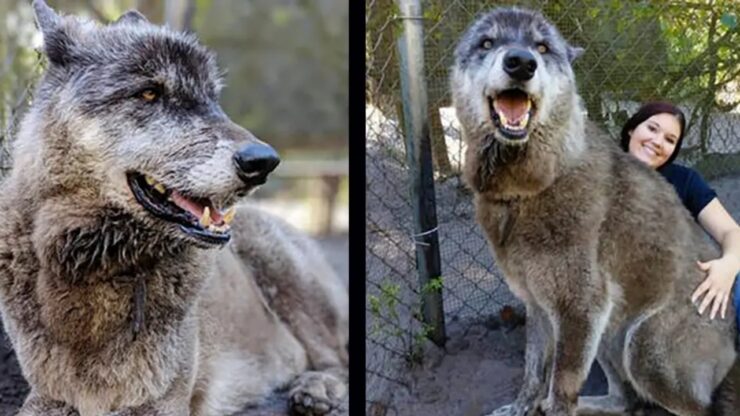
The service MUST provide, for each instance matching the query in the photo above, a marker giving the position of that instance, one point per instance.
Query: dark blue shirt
(694, 192)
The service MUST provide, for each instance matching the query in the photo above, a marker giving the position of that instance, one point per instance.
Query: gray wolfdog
(115, 299)
(598, 246)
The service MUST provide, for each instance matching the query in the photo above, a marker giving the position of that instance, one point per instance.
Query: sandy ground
(13, 388)
(480, 370)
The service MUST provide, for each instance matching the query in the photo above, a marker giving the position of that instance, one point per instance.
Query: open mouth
(511, 111)
(197, 217)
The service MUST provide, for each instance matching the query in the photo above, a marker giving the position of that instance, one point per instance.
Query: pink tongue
(512, 107)
(195, 208)
(216, 216)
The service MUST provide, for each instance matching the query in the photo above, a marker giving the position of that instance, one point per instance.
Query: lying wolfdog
(598, 246)
(115, 299)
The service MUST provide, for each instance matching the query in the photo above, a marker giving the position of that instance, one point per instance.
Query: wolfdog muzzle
(198, 216)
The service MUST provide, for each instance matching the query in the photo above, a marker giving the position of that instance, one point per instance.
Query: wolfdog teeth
(160, 188)
(149, 180)
(524, 120)
(520, 124)
(218, 228)
(229, 216)
(205, 219)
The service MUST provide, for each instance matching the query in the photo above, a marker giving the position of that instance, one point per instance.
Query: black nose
(255, 161)
(520, 64)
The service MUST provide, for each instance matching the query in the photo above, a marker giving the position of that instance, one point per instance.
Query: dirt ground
(480, 370)
(13, 388)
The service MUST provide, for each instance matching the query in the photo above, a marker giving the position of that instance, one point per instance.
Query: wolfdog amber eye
(149, 95)
(542, 48)
(487, 44)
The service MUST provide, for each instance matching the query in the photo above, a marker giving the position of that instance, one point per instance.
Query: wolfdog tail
(726, 400)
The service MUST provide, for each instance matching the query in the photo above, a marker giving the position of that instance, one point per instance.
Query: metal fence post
(419, 156)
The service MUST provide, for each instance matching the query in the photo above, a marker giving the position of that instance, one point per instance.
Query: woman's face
(654, 140)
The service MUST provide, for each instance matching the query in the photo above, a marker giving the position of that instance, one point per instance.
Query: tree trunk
(711, 87)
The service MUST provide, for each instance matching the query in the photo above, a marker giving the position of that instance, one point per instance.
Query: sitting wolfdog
(112, 290)
(598, 246)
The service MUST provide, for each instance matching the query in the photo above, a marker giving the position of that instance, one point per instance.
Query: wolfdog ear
(45, 15)
(57, 42)
(574, 52)
(46, 18)
(131, 17)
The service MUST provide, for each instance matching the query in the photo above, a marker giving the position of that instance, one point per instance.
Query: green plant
(387, 320)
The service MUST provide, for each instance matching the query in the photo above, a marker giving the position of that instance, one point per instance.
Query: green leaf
(374, 304)
(434, 285)
(729, 20)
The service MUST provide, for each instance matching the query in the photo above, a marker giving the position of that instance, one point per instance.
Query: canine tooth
(149, 180)
(205, 219)
(529, 105)
(160, 188)
(229, 216)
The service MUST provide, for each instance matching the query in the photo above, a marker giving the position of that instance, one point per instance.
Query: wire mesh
(677, 51)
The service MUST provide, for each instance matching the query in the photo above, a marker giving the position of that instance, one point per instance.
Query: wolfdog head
(127, 116)
(512, 76)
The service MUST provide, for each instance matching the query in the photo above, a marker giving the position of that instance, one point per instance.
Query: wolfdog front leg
(578, 318)
(537, 356)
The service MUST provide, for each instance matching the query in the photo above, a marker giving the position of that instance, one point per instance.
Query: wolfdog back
(132, 279)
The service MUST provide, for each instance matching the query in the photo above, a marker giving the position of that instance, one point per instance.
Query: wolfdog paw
(549, 407)
(505, 410)
(596, 405)
(514, 409)
(316, 393)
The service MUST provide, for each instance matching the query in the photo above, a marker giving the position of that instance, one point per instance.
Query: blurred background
(286, 65)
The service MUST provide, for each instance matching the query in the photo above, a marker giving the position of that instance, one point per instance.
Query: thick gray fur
(597, 245)
(112, 311)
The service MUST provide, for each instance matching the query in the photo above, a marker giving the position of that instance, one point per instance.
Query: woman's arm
(721, 272)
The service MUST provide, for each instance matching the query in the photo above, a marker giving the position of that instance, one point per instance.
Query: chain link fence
(680, 51)
(20, 68)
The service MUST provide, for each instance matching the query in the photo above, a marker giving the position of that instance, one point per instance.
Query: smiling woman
(654, 135)
(655, 139)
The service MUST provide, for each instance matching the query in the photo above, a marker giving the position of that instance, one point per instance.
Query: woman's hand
(717, 287)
